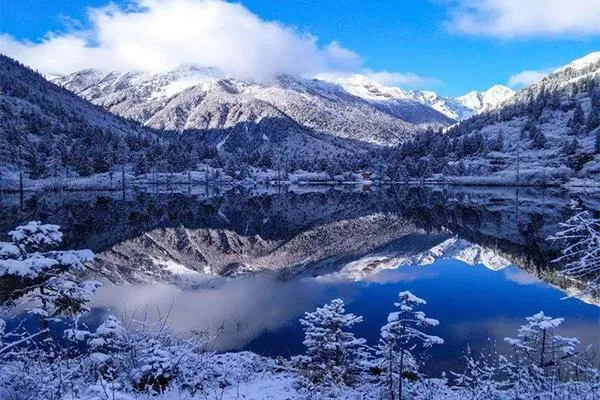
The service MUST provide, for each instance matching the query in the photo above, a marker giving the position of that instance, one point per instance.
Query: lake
(246, 263)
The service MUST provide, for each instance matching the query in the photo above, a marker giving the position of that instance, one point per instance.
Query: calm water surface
(248, 263)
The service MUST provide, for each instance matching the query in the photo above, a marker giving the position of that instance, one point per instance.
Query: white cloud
(387, 78)
(526, 78)
(525, 18)
(158, 35)
(383, 78)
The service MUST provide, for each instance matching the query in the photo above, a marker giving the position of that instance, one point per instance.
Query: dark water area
(248, 262)
(475, 306)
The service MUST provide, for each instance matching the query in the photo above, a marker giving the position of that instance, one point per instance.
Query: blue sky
(436, 44)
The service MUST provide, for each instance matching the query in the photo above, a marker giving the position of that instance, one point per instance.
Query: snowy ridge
(198, 98)
(582, 63)
(546, 133)
(587, 67)
(452, 248)
(457, 109)
(480, 102)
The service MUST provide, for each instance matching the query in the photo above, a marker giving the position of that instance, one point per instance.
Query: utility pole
(21, 188)
(519, 162)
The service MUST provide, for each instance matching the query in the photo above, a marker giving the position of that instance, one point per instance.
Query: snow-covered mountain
(548, 132)
(456, 109)
(479, 102)
(47, 131)
(198, 98)
(38, 118)
(394, 100)
(453, 248)
(581, 63)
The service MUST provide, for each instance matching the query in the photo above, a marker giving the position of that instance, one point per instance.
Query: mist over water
(238, 311)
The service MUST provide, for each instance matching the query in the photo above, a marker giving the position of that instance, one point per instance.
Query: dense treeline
(536, 110)
(46, 131)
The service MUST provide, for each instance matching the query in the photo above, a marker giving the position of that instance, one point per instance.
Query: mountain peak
(483, 101)
(369, 89)
(583, 62)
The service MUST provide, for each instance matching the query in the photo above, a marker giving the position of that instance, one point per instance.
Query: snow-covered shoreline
(113, 182)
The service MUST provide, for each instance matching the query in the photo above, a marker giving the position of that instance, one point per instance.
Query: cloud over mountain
(159, 35)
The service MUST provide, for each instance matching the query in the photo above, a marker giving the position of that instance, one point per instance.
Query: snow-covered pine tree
(539, 356)
(581, 255)
(578, 118)
(333, 354)
(593, 120)
(399, 338)
(107, 346)
(45, 281)
(156, 368)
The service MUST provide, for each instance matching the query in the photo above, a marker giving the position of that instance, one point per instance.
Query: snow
(483, 101)
(363, 87)
(410, 298)
(183, 275)
(179, 86)
(28, 268)
(582, 63)
(36, 234)
(367, 267)
(9, 250)
(78, 335)
(180, 100)
(222, 142)
(458, 108)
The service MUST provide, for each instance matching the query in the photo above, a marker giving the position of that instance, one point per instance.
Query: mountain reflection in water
(251, 261)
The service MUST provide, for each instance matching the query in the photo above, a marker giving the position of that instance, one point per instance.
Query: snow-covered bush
(480, 377)
(399, 338)
(156, 369)
(107, 345)
(333, 354)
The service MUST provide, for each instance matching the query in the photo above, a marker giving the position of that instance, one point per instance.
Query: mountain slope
(47, 131)
(454, 109)
(393, 100)
(549, 132)
(195, 98)
(44, 128)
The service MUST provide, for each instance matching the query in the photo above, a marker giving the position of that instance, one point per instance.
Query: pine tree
(498, 144)
(570, 147)
(333, 354)
(54, 161)
(121, 156)
(399, 338)
(108, 345)
(44, 282)
(593, 120)
(156, 369)
(538, 355)
(48, 279)
(538, 138)
(577, 119)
